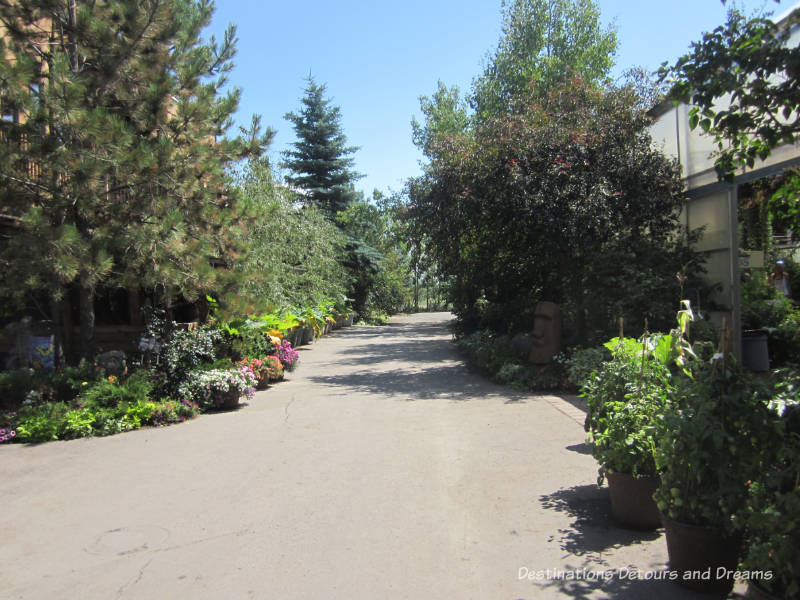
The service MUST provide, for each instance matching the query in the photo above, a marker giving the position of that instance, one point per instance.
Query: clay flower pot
(632, 503)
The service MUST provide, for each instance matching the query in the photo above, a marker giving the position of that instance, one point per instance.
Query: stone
(546, 334)
(522, 344)
(112, 362)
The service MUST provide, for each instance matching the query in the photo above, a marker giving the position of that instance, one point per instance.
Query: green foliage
(253, 342)
(567, 201)
(115, 159)
(765, 308)
(40, 422)
(543, 42)
(77, 424)
(295, 253)
(749, 60)
(718, 436)
(495, 356)
(445, 115)
(626, 399)
(109, 394)
(184, 351)
(14, 385)
(376, 258)
(319, 161)
(584, 362)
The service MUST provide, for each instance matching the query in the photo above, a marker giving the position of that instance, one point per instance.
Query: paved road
(382, 469)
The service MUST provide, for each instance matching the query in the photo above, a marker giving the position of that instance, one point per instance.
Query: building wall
(712, 204)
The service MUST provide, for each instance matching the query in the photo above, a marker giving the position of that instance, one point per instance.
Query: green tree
(750, 63)
(741, 80)
(377, 257)
(445, 114)
(294, 253)
(113, 159)
(320, 161)
(566, 201)
(542, 43)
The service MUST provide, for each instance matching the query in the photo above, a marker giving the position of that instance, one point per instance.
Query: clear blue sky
(378, 57)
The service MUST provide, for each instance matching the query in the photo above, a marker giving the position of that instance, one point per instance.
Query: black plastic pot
(705, 558)
(755, 350)
(632, 503)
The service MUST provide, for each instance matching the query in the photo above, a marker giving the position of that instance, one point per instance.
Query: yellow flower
(275, 341)
(276, 333)
(84, 383)
(112, 379)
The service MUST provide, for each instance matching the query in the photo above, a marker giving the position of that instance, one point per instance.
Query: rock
(522, 344)
(546, 333)
(112, 362)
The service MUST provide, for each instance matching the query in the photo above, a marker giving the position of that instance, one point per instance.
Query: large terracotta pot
(632, 503)
(228, 400)
(700, 555)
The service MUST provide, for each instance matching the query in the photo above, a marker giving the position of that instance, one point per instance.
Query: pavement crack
(133, 582)
(286, 410)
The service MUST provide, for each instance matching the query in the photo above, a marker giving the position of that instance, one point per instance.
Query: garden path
(382, 469)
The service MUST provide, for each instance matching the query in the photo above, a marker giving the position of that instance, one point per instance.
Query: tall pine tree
(320, 161)
(113, 155)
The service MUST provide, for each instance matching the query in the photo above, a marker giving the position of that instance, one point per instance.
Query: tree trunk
(58, 332)
(416, 288)
(86, 291)
(134, 307)
(580, 316)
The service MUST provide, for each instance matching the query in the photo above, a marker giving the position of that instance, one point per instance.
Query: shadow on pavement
(447, 382)
(583, 581)
(593, 531)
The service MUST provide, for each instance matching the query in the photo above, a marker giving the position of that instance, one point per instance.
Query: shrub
(77, 423)
(110, 392)
(41, 422)
(184, 351)
(584, 362)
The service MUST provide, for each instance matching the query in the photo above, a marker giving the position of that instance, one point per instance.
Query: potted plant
(219, 388)
(288, 356)
(274, 368)
(771, 517)
(626, 400)
(260, 370)
(718, 435)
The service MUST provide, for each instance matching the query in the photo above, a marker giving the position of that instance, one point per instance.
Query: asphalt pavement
(382, 468)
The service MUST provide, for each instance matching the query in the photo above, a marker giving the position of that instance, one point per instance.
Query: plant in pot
(260, 370)
(626, 401)
(718, 435)
(771, 517)
(274, 367)
(219, 388)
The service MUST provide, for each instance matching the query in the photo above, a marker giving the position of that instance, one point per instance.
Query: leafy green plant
(40, 423)
(718, 436)
(77, 423)
(584, 362)
(110, 392)
(771, 520)
(626, 400)
(184, 351)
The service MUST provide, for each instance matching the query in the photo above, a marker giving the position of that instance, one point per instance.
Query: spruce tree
(113, 155)
(319, 161)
